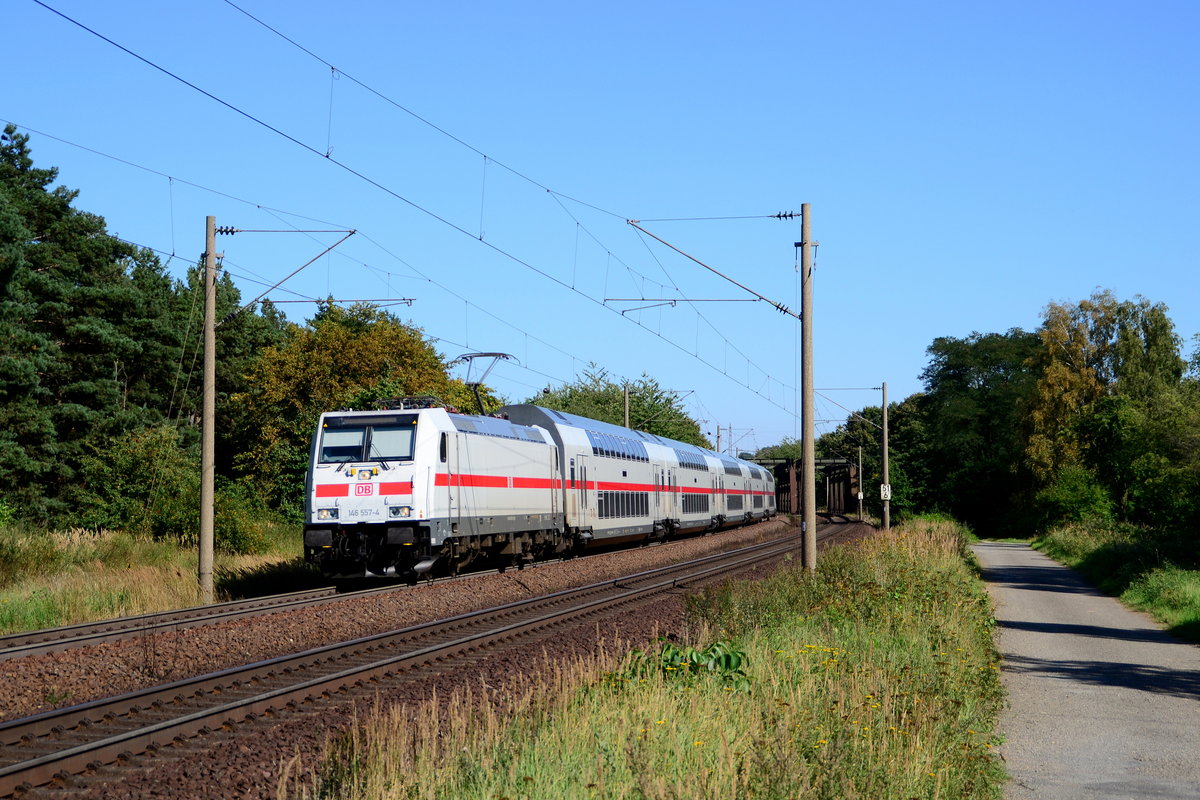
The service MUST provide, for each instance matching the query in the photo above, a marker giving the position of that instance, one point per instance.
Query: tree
(1099, 347)
(343, 358)
(85, 344)
(787, 448)
(651, 408)
(242, 337)
(864, 428)
(25, 424)
(976, 390)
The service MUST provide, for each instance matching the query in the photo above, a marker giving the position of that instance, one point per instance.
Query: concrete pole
(887, 511)
(859, 483)
(208, 413)
(806, 390)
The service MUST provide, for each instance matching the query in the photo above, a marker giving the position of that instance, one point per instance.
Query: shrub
(720, 660)
(1074, 496)
(1162, 492)
(147, 482)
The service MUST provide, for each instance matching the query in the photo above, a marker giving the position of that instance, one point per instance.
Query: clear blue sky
(966, 164)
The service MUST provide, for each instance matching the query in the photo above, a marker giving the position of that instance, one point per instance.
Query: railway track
(85, 634)
(20, 645)
(49, 747)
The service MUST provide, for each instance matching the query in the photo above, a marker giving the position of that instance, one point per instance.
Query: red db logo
(362, 489)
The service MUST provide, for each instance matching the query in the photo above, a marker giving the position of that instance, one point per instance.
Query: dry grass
(876, 678)
(66, 577)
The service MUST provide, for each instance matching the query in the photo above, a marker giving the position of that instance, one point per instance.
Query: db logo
(362, 489)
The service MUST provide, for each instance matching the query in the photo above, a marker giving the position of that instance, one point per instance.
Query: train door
(448, 455)
(669, 509)
(459, 498)
(555, 481)
(657, 507)
(582, 492)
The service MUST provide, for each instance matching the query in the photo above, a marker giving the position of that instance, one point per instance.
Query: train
(415, 489)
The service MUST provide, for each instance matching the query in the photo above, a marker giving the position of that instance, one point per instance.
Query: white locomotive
(400, 492)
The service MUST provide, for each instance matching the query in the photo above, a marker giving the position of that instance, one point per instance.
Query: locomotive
(417, 488)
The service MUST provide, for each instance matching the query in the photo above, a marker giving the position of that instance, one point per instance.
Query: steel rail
(84, 634)
(73, 740)
(87, 634)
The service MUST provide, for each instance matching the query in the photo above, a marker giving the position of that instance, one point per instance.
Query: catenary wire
(367, 179)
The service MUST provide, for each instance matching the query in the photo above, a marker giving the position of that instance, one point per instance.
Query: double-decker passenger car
(407, 490)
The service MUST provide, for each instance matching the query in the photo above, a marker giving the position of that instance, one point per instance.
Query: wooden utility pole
(208, 413)
(806, 390)
(886, 489)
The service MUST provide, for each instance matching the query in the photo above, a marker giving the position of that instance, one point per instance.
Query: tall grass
(874, 678)
(49, 579)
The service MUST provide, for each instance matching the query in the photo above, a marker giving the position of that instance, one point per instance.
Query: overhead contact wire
(366, 179)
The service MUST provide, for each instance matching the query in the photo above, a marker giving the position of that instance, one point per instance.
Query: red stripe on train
(536, 483)
(343, 489)
(487, 481)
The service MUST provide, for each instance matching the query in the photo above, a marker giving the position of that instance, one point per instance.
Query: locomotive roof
(494, 426)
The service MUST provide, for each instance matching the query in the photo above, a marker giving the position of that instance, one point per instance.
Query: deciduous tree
(342, 358)
(651, 408)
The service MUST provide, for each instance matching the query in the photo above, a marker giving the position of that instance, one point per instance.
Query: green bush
(1074, 496)
(144, 482)
(240, 521)
(720, 660)
(147, 482)
(1162, 493)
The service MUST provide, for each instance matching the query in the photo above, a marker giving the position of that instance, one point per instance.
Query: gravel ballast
(248, 762)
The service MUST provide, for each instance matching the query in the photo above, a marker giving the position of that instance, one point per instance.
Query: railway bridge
(837, 487)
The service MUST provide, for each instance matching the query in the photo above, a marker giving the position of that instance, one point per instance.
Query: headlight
(401, 511)
(327, 513)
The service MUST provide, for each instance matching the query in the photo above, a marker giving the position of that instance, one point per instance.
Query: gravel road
(1103, 703)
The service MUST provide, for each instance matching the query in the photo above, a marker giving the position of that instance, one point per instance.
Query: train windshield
(386, 437)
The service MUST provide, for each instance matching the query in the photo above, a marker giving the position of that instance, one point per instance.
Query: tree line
(100, 381)
(1095, 416)
(100, 389)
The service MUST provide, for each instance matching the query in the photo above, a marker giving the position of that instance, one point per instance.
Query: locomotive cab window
(383, 438)
(391, 444)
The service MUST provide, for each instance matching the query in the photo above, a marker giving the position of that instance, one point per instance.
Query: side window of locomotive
(444, 448)
(342, 445)
(392, 443)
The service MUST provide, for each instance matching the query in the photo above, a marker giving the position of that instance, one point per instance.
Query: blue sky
(965, 163)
